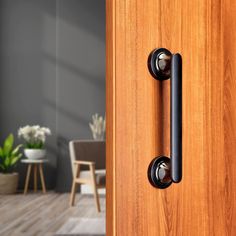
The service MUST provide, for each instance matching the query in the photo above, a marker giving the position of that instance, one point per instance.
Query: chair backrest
(88, 150)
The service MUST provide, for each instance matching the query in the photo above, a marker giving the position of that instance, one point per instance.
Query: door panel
(204, 33)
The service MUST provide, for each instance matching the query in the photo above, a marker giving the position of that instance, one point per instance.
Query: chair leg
(74, 186)
(96, 197)
(72, 195)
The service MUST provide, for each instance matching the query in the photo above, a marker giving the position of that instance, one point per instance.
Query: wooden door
(204, 33)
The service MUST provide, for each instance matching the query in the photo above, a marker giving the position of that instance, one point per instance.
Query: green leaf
(15, 159)
(16, 150)
(7, 162)
(8, 156)
(7, 147)
(2, 166)
(37, 145)
(1, 152)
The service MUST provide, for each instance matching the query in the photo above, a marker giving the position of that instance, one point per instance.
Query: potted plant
(9, 156)
(34, 137)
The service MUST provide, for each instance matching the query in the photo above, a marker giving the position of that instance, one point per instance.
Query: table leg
(35, 178)
(42, 177)
(27, 178)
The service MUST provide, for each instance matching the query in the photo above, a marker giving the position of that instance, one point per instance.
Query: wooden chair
(95, 178)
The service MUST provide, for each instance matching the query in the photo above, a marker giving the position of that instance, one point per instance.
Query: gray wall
(52, 73)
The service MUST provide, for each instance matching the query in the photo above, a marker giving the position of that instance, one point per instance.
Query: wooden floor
(43, 214)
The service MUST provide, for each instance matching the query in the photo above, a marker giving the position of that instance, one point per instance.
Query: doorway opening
(52, 98)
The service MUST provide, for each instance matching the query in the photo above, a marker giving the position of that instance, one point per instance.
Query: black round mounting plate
(159, 172)
(159, 62)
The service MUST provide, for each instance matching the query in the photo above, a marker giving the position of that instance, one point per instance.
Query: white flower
(33, 134)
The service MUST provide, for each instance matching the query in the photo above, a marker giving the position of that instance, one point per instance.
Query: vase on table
(34, 137)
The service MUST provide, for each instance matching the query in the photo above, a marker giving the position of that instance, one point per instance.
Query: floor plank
(44, 214)
(83, 226)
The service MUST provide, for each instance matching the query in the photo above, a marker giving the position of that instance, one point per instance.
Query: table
(38, 165)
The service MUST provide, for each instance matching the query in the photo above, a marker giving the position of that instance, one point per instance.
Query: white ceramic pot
(35, 154)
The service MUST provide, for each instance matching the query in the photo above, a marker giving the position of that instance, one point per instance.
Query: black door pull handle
(176, 118)
(162, 170)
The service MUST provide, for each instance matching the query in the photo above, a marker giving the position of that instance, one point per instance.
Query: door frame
(110, 118)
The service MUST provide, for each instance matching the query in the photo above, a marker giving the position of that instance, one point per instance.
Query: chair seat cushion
(100, 176)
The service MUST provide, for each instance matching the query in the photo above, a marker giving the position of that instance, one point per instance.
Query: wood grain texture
(204, 33)
(229, 117)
